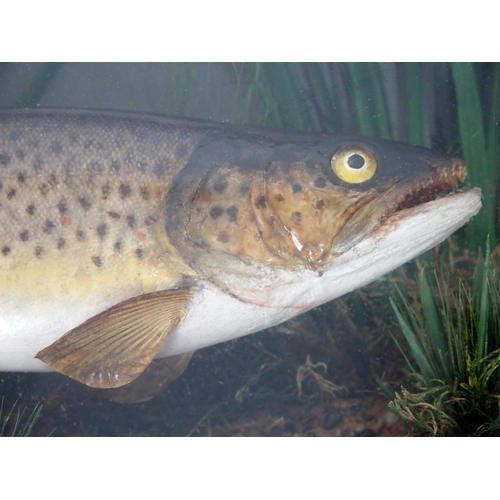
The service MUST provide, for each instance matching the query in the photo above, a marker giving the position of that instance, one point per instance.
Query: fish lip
(447, 179)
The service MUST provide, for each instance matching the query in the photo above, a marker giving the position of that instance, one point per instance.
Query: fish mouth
(382, 207)
(446, 180)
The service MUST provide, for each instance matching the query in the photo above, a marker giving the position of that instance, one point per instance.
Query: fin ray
(113, 348)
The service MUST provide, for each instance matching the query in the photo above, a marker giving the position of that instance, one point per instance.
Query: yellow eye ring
(354, 165)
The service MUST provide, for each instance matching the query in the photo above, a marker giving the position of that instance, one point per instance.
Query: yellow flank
(84, 225)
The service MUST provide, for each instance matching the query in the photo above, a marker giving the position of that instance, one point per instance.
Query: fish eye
(354, 164)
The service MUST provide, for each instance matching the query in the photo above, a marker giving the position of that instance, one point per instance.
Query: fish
(126, 237)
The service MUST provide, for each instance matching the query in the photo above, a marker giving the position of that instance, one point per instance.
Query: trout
(126, 237)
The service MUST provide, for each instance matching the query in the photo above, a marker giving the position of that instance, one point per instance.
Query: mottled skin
(103, 207)
(80, 198)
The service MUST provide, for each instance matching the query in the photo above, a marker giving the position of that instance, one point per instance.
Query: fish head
(309, 212)
(298, 205)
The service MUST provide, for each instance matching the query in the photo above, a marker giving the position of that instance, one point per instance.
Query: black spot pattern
(232, 212)
(220, 184)
(85, 203)
(216, 212)
(48, 227)
(131, 221)
(96, 260)
(320, 182)
(62, 206)
(125, 191)
(102, 230)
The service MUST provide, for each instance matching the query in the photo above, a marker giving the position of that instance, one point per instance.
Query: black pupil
(356, 161)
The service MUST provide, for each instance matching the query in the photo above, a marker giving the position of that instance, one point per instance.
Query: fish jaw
(402, 237)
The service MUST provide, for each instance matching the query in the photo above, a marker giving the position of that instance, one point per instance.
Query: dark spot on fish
(232, 211)
(62, 206)
(279, 197)
(38, 251)
(30, 209)
(97, 260)
(114, 215)
(24, 235)
(11, 194)
(6, 250)
(48, 227)
(38, 164)
(223, 237)
(60, 243)
(320, 182)
(160, 169)
(1, 186)
(20, 154)
(15, 135)
(150, 220)
(105, 190)
(44, 189)
(85, 203)
(4, 161)
(88, 144)
(216, 212)
(125, 191)
(220, 184)
(115, 165)
(56, 148)
(80, 235)
(102, 230)
(144, 193)
(21, 178)
(296, 188)
(320, 204)
(118, 246)
(130, 221)
(53, 179)
(297, 217)
(261, 202)
(139, 253)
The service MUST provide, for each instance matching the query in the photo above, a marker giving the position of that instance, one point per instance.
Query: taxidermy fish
(128, 237)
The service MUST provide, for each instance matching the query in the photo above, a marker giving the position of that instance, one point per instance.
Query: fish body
(124, 237)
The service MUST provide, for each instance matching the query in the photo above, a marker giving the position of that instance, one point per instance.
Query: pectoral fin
(116, 346)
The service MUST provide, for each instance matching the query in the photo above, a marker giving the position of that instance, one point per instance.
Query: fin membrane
(150, 383)
(116, 346)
